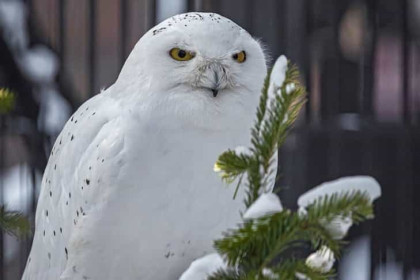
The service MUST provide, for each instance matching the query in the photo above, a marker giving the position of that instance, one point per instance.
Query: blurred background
(360, 60)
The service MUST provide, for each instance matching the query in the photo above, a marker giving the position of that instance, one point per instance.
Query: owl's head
(198, 66)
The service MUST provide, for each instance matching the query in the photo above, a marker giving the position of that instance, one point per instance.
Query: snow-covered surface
(17, 188)
(266, 204)
(13, 21)
(322, 260)
(17, 196)
(338, 226)
(201, 268)
(39, 64)
(54, 112)
(355, 264)
(340, 186)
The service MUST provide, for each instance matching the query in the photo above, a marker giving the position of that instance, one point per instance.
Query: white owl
(129, 191)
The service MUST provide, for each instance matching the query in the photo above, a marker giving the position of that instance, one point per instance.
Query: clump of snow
(242, 150)
(277, 76)
(290, 88)
(262, 171)
(202, 268)
(13, 23)
(322, 260)
(269, 273)
(340, 186)
(338, 226)
(39, 64)
(266, 204)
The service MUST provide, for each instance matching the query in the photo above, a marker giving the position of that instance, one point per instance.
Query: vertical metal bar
(249, 11)
(62, 32)
(123, 30)
(91, 47)
(367, 63)
(2, 164)
(405, 62)
(191, 5)
(307, 58)
(151, 7)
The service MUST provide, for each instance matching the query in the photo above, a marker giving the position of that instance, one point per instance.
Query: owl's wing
(83, 159)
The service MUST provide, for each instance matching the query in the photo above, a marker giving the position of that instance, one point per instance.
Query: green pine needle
(14, 223)
(7, 101)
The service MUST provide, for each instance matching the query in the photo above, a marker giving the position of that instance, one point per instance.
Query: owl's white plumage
(129, 191)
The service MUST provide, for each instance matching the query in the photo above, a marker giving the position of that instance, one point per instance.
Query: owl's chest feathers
(183, 158)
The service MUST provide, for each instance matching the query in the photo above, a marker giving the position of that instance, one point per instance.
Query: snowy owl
(129, 191)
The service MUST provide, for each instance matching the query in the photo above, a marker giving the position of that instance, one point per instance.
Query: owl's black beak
(215, 92)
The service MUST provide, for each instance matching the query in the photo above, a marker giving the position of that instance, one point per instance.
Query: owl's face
(202, 65)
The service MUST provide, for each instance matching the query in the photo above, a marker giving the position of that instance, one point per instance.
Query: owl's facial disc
(209, 73)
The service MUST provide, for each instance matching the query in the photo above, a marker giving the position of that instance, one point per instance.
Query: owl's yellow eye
(181, 55)
(240, 56)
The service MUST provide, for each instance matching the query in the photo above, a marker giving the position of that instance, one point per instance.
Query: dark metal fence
(360, 61)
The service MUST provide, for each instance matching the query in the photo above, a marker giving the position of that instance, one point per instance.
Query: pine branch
(14, 223)
(256, 243)
(355, 203)
(275, 116)
(260, 248)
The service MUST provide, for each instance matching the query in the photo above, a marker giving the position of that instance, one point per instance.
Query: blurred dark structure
(360, 61)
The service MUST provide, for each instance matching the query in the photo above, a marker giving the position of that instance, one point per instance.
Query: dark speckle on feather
(50, 193)
(72, 137)
(87, 181)
(46, 213)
